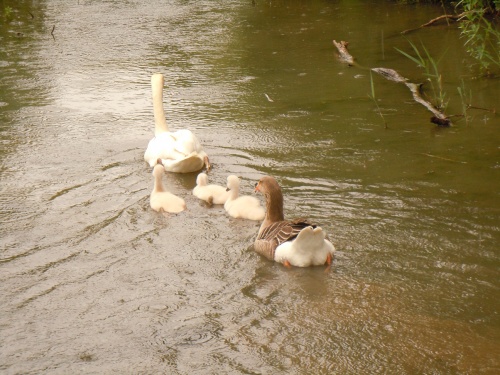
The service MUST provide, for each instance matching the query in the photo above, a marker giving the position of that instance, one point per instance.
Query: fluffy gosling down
(162, 200)
(245, 206)
(212, 194)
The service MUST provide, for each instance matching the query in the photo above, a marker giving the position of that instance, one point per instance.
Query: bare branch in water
(434, 20)
(439, 118)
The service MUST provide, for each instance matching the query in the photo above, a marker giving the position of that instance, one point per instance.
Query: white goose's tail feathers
(309, 248)
(191, 163)
(310, 238)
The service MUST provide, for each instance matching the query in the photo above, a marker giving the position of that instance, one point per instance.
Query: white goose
(293, 243)
(213, 194)
(179, 151)
(245, 206)
(162, 200)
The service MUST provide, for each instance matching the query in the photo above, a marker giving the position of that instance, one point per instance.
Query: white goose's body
(293, 243)
(213, 194)
(309, 248)
(162, 200)
(245, 206)
(179, 151)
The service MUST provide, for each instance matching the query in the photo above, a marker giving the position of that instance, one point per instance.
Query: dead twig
(440, 157)
(453, 17)
(494, 111)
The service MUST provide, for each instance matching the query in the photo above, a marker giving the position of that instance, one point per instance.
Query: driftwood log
(439, 118)
(392, 75)
(344, 54)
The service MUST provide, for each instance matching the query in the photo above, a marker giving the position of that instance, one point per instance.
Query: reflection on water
(94, 281)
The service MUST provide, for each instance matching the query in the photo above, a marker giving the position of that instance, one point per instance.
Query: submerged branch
(390, 74)
(439, 118)
(493, 110)
(442, 158)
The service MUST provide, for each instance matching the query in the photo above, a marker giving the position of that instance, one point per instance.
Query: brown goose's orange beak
(257, 187)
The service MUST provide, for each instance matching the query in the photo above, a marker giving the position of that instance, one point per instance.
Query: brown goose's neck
(274, 206)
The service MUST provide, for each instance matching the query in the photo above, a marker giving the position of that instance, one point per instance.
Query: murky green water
(94, 281)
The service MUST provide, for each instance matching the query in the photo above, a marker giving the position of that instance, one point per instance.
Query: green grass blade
(416, 61)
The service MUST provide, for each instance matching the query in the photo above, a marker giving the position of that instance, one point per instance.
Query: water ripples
(104, 284)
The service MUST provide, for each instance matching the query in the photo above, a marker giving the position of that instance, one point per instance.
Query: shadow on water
(93, 280)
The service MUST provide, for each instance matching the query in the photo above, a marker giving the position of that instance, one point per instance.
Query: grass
(434, 77)
(465, 97)
(372, 96)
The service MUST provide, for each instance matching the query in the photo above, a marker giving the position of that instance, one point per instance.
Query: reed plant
(431, 72)
(466, 99)
(373, 97)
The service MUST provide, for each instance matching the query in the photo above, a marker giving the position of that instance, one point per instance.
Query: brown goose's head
(267, 184)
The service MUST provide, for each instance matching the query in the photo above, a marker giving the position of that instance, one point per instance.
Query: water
(94, 281)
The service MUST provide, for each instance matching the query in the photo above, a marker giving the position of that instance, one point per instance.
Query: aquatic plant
(430, 65)
(466, 98)
(372, 97)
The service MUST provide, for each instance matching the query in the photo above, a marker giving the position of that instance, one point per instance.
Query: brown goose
(293, 243)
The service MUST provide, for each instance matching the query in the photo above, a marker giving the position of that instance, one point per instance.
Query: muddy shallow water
(94, 281)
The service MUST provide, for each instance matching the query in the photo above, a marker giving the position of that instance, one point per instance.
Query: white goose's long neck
(157, 89)
(234, 192)
(158, 185)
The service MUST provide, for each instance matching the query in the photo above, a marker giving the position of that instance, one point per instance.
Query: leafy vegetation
(477, 22)
(482, 38)
(7, 13)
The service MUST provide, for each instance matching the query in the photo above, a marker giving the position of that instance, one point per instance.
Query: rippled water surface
(93, 281)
